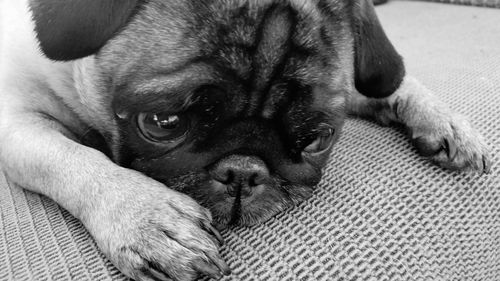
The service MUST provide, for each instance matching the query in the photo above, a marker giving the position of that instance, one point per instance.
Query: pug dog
(150, 121)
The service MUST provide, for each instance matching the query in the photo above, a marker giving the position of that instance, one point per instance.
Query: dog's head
(236, 103)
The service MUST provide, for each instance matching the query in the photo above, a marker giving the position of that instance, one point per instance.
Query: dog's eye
(163, 127)
(322, 142)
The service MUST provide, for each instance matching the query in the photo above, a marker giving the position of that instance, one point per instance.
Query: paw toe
(427, 146)
(487, 164)
(454, 154)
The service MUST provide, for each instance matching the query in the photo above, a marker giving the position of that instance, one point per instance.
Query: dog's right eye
(163, 127)
(322, 142)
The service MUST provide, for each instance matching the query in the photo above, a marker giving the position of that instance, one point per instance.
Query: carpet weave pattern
(480, 3)
(382, 213)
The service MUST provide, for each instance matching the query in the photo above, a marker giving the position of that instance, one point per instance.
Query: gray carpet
(381, 212)
(480, 3)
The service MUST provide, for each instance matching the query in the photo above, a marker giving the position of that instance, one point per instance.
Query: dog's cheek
(309, 171)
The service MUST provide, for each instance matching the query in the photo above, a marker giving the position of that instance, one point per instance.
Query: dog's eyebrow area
(171, 91)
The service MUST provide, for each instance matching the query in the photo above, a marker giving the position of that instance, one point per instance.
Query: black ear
(379, 69)
(72, 29)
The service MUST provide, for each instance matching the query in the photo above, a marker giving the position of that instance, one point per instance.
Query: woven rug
(382, 213)
(480, 3)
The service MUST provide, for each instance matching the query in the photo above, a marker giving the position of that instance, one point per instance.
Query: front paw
(451, 142)
(154, 233)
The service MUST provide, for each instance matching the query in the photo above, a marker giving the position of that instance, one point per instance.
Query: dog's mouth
(237, 207)
(243, 210)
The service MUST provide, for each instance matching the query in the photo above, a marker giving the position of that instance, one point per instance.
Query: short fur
(259, 81)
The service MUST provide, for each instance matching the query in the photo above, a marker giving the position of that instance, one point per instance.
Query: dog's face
(235, 103)
(230, 103)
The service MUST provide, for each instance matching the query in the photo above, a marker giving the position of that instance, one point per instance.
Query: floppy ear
(72, 29)
(379, 69)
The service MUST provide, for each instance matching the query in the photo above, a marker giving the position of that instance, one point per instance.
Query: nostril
(258, 178)
(224, 176)
(253, 180)
(229, 177)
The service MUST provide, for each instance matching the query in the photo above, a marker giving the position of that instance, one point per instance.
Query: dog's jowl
(154, 121)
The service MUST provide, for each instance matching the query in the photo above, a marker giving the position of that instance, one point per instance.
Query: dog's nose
(240, 174)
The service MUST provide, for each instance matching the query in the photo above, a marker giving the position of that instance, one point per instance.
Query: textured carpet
(480, 3)
(381, 212)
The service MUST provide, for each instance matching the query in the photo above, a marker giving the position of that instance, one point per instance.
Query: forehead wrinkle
(153, 102)
(233, 59)
(176, 80)
(171, 90)
(269, 48)
(272, 49)
(273, 46)
(307, 7)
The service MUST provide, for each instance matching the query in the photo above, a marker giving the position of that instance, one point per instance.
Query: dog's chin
(228, 210)
(258, 208)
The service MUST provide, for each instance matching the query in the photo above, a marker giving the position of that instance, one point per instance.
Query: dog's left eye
(322, 142)
(163, 127)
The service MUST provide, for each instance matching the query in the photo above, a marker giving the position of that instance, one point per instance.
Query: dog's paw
(450, 141)
(154, 233)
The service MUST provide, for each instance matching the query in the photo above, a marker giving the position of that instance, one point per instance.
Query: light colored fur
(41, 117)
(430, 122)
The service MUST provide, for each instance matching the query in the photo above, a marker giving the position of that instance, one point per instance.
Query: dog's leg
(385, 93)
(150, 232)
(436, 130)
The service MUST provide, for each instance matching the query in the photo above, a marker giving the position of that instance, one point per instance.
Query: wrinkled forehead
(171, 48)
